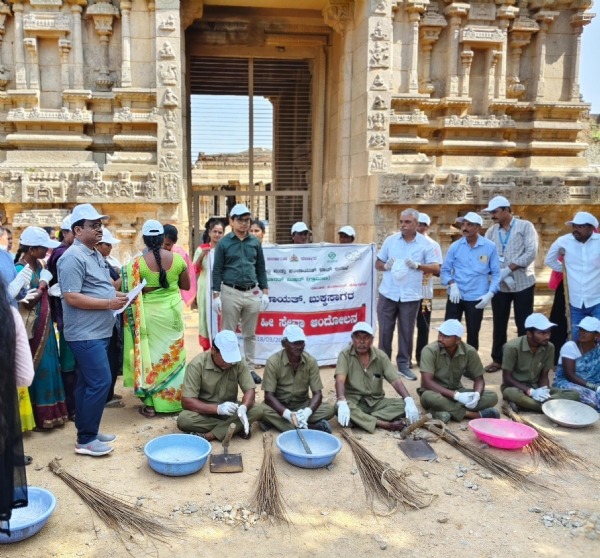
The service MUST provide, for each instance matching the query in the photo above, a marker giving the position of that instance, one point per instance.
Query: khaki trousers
(244, 306)
(325, 411)
(520, 398)
(188, 421)
(366, 416)
(436, 402)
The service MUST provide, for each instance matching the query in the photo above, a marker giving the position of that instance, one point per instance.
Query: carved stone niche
(44, 187)
(39, 218)
(401, 189)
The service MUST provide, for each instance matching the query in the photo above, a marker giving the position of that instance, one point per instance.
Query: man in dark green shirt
(210, 391)
(238, 276)
(526, 363)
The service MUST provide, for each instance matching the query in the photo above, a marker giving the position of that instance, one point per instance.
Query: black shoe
(323, 426)
(257, 379)
(406, 373)
(490, 413)
(264, 425)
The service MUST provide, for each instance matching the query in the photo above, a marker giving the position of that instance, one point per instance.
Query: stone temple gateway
(430, 103)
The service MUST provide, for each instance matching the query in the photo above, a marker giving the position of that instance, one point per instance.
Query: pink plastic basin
(504, 434)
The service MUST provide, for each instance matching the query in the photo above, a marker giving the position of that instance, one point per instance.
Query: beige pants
(244, 306)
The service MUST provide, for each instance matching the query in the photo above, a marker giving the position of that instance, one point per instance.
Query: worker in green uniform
(442, 365)
(526, 363)
(210, 392)
(359, 375)
(288, 375)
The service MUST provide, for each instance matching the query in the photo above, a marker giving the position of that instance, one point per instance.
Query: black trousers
(558, 316)
(423, 326)
(473, 318)
(522, 302)
(115, 359)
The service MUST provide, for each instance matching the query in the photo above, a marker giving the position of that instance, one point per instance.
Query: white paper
(130, 296)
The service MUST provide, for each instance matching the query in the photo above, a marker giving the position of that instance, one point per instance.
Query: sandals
(114, 403)
(493, 367)
(147, 412)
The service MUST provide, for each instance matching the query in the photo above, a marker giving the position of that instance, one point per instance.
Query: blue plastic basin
(26, 522)
(324, 448)
(176, 455)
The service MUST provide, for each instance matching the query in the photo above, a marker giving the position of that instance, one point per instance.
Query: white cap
(85, 211)
(583, 218)
(538, 321)
(363, 327)
(590, 324)
(227, 343)
(239, 209)
(495, 203)
(152, 228)
(300, 227)
(347, 230)
(451, 327)
(108, 238)
(294, 333)
(424, 218)
(66, 223)
(472, 218)
(36, 236)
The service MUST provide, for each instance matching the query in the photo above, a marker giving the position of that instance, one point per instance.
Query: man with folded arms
(526, 363)
(359, 375)
(210, 392)
(288, 376)
(443, 364)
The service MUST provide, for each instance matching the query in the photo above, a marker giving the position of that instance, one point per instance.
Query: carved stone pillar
(34, 66)
(152, 10)
(337, 15)
(20, 73)
(103, 13)
(430, 28)
(466, 57)
(578, 22)
(455, 11)
(64, 47)
(544, 18)
(4, 74)
(77, 45)
(521, 30)
(492, 63)
(414, 8)
(126, 48)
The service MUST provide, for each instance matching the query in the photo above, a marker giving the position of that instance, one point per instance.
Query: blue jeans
(577, 314)
(93, 384)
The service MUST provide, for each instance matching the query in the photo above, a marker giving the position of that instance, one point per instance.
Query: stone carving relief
(126, 185)
(378, 84)
(378, 34)
(379, 7)
(337, 14)
(169, 162)
(415, 117)
(377, 163)
(417, 159)
(122, 187)
(166, 51)
(57, 21)
(540, 192)
(468, 121)
(168, 74)
(126, 115)
(425, 188)
(482, 35)
(170, 186)
(169, 140)
(379, 103)
(43, 187)
(50, 115)
(378, 141)
(39, 218)
(168, 24)
(379, 55)
(377, 121)
(170, 118)
(170, 99)
(482, 12)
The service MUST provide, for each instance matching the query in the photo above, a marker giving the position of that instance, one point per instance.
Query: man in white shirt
(403, 258)
(582, 262)
(424, 315)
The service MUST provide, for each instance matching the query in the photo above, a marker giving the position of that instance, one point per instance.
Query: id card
(501, 259)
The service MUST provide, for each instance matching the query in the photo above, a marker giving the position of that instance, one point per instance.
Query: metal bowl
(176, 455)
(571, 414)
(324, 447)
(26, 522)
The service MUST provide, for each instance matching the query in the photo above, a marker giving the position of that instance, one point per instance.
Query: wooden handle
(421, 422)
(561, 251)
(227, 438)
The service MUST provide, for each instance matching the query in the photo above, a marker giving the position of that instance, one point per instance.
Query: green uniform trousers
(270, 415)
(520, 398)
(188, 421)
(436, 402)
(366, 416)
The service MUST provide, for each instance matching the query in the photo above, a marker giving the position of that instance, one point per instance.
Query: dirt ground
(327, 507)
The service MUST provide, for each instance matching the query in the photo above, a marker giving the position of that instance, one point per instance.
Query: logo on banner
(294, 258)
(353, 256)
(331, 257)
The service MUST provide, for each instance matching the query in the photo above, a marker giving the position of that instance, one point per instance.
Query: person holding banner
(239, 275)
(300, 233)
(359, 376)
(346, 235)
(288, 375)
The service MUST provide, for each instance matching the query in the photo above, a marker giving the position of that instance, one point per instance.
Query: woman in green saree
(154, 352)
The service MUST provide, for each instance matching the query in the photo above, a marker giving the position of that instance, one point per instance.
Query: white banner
(323, 288)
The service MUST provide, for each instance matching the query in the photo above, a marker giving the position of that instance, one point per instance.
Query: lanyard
(505, 241)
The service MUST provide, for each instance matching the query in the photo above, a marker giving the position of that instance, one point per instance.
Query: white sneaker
(106, 438)
(95, 448)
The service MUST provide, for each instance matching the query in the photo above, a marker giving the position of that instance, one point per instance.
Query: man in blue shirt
(466, 270)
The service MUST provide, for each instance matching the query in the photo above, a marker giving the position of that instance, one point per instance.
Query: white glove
(410, 409)
(228, 408)
(540, 394)
(287, 415)
(598, 390)
(474, 400)
(46, 276)
(464, 398)
(399, 271)
(21, 281)
(388, 265)
(343, 415)
(264, 302)
(510, 283)
(29, 296)
(54, 290)
(412, 264)
(505, 272)
(303, 415)
(485, 300)
(454, 293)
(241, 413)
(216, 305)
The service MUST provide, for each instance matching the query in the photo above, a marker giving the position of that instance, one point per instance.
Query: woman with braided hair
(154, 352)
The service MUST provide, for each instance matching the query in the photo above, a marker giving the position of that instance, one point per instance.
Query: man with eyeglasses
(288, 376)
(89, 301)
(239, 275)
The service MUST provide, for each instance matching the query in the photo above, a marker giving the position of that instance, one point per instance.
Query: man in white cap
(517, 245)
(404, 258)
(443, 364)
(346, 235)
(359, 375)
(526, 363)
(424, 314)
(210, 392)
(288, 376)
(239, 275)
(300, 233)
(89, 302)
(466, 271)
(105, 247)
(582, 261)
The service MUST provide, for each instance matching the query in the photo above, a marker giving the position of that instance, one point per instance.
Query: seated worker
(359, 376)
(442, 366)
(210, 391)
(526, 362)
(288, 375)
